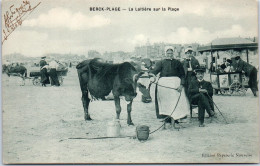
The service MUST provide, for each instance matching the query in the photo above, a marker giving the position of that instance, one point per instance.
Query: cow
(98, 79)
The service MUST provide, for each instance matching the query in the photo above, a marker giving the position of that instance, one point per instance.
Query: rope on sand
(171, 113)
(135, 136)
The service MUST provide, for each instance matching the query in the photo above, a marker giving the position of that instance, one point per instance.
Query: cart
(36, 76)
(232, 83)
(227, 83)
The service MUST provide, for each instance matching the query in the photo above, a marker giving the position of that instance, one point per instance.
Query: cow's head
(4, 68)
(128, 87)
(144, 84)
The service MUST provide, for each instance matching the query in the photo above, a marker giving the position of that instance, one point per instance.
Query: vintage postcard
(129, 81)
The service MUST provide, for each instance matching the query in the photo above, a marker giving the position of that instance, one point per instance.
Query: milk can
(142, 132)
(113, 128)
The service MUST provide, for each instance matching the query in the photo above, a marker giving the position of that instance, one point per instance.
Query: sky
(65, 26)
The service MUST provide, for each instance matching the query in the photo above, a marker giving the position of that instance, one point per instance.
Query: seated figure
(201, 93)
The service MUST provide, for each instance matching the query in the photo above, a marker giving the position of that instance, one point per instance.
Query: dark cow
(99, 79)
(144, 81)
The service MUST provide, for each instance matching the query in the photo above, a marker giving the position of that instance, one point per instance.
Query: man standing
(250, 71)
(189, 64)
(53, 65)
(169, 99)
(201, 93)
(43, 70)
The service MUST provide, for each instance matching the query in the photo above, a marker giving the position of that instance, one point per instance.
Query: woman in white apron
(169, 91)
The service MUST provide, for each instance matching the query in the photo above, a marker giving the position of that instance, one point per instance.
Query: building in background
(157, 50)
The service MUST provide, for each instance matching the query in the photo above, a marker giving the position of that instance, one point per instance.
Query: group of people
(182, 84)
(226, 67)
(241, 66)
(52, 74)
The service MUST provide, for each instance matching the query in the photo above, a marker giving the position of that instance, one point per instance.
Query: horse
(18, 70)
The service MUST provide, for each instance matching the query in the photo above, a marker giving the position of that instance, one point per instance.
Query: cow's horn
(136, 76)
(154, 77)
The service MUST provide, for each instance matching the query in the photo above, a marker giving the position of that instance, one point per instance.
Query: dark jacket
(244, 66)
(43, 63)
(195, 85)
(169, 68)
(194, 64)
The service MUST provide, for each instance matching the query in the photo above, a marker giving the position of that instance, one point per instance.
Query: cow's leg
(118, 107)
(85, 102)
(129, 109)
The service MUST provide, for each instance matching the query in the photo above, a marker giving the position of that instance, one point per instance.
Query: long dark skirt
(44, 77)
(253, 81)
(189, 77)
(54, 77)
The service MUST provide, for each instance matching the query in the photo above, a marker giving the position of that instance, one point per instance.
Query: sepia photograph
(130, 82)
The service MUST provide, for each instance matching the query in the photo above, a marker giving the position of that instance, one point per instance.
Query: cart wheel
(36, 81)
(215, 91)
(243, 91)
(223, 91)
(234, 88)
(237, 89)
(60, 80)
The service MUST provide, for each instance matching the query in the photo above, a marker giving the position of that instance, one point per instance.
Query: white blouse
(53, 65)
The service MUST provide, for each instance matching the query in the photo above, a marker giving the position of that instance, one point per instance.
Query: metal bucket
(142, 132)
(113, 128)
